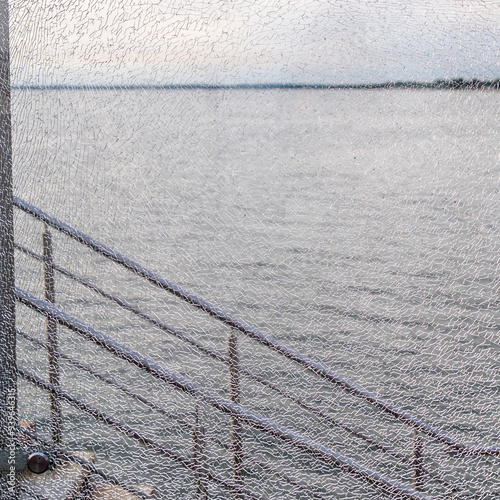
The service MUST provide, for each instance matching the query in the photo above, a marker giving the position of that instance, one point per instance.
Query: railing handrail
(228, 407)
(253, 333)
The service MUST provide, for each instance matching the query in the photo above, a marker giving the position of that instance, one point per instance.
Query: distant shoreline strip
(456, 84)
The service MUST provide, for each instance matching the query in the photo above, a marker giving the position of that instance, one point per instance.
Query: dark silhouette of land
(455, 84)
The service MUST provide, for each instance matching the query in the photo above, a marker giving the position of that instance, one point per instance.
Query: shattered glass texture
(356, 226)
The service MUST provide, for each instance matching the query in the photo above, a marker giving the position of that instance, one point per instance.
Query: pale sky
(252, 41)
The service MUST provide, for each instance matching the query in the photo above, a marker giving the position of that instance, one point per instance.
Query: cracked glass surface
(325, 172)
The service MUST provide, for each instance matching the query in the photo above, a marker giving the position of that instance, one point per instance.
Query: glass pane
(305, 201)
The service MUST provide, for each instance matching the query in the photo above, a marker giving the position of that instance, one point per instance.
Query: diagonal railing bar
(325, 416)
(132, 433)
(89, 466)
(251, 418)
(219, 357)
(107, 380)
(161, 410)
(255, 334)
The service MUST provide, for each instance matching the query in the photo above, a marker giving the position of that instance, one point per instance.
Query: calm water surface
(359, 227)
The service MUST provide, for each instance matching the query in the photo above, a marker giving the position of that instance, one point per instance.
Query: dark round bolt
(38, 462)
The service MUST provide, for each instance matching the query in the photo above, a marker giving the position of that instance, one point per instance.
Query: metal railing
(232, 407)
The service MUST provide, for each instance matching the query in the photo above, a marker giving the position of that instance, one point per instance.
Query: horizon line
(456, 83)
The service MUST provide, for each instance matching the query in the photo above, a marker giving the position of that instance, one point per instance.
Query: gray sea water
(360, 227)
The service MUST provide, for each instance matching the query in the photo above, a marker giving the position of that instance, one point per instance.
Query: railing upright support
(198, 434)
(52, 339)
(418, 462)
(9, 488)
(234, 395)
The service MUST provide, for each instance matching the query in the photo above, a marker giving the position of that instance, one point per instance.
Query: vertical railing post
(198, 436)
(52, 339)
(8, 376)
(234, 395)
(418, 462)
